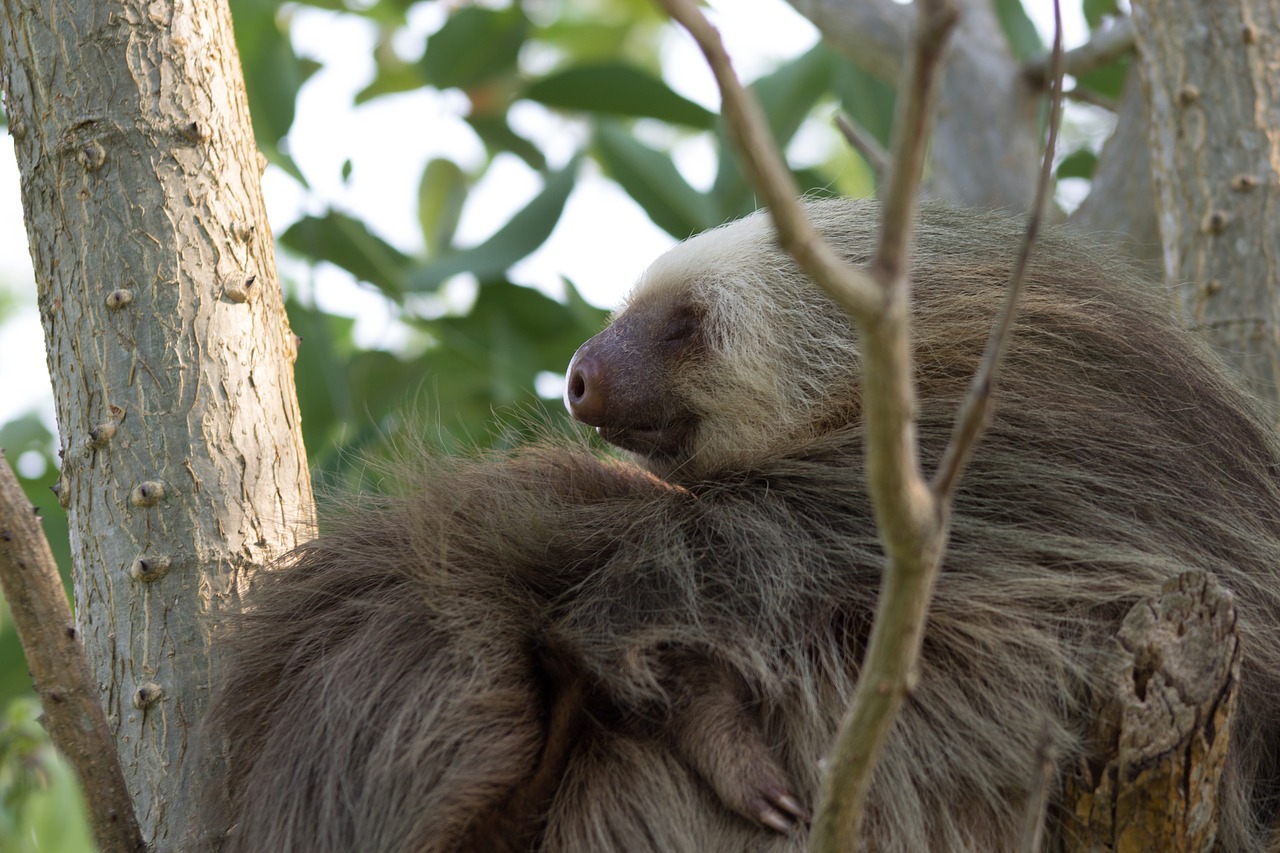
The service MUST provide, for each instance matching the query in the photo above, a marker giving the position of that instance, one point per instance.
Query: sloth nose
(584, 393)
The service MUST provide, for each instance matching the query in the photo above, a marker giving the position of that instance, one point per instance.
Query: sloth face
(722, 351)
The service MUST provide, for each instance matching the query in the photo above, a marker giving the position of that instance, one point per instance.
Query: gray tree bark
(1211, 72)
(985, 148)
(183, 465)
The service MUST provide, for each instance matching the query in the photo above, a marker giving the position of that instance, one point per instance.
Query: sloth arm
(646, 622)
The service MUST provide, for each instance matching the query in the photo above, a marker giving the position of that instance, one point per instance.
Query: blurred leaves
(1078, 164)
(615, 88)
(347, 242)
(517, 239)
(41, 808)
(266, 54)
(475, 46)
(653, 182)
(1024, 41)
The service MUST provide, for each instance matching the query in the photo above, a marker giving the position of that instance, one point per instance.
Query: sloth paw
(770, 803)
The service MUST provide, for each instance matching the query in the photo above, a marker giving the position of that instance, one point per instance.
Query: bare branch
(1084, 96)
(912, 138)
(876, 34)
(865, 144)
(59, 670)
(1105, 47)
(851, 288)
(976, 409)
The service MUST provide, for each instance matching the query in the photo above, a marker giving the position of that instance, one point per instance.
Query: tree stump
(1161, 732)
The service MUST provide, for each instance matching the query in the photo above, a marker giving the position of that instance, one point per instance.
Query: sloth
(571, 649)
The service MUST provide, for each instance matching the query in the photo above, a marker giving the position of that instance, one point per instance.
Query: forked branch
(911, 516)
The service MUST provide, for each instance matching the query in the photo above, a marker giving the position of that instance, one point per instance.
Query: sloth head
(723, 352)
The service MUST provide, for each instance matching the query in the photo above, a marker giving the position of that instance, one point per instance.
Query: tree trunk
(183, 465)
(1211, 72)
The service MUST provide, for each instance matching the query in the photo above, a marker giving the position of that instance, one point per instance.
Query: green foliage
(266, 54)
(1023, 38)
(653, 182)
(1078, 164)
(41, 809)
(616, 88)
(474, 46)
(28, 435)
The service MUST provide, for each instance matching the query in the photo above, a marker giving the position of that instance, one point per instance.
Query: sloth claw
(777, 808)
(774, 819)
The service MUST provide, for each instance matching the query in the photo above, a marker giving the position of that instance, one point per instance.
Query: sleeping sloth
(556, 649)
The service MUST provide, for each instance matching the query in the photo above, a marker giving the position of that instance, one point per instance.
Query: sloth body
(553, 650)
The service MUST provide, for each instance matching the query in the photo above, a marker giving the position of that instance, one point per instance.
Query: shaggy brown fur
(550, 650)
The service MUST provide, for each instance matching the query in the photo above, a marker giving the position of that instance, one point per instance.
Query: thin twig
(911, 138)
(1105, 47)
(976, 409)
(910, 521)
(910, 524)
(865, 144)
(1084, 96)
(59, 670)
(851, 288)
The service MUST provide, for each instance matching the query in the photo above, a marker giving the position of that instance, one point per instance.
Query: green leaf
(498, 136)
(1078, 164)
(787, 95)
(273, 75)
(474, 46)
(1096, 10)
(325, 395)
(514, 241)
(617, 88)
(1108, 80)
(392, 76)
(441, 194)
(348, 243)
(590, 39)
(649, 177)
(1024, 39)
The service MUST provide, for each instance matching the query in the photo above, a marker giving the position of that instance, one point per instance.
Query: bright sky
(390, 140)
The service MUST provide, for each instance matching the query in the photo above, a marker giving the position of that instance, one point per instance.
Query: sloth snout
(584, 394)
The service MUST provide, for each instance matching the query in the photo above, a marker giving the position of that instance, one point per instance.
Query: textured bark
(183, 467)
(985, 148)
(1211, 72)
(1164, 730)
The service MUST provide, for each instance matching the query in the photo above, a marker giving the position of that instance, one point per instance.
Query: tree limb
(1105, 47)
(986, 149)
(1210, 73)
(911, 526)
(866, 145)
(975, 412)
(59, 671)
(1121, 207)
